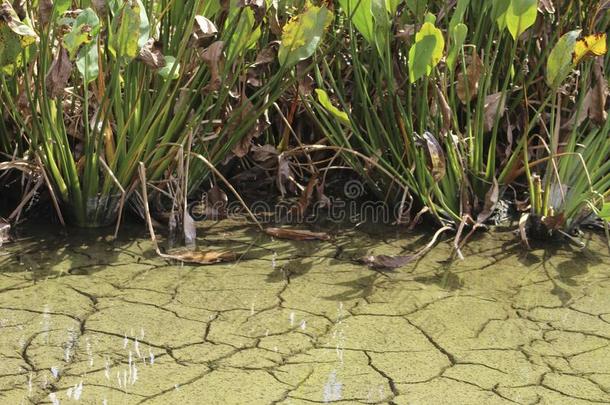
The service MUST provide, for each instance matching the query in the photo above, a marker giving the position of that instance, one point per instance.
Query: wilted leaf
(45, 10)
(14, 37)
(200, 257)
(443, 105)
(213, 57)
(547, 6)
(491, 201)
(264, 153)
(266, 55)
(427, 51)
(436, 155)
(151, 55)
(591, 45)
(523, 221)
(190, 230)
(328, 105)
(493, 110)
(554, 222)
(59, 73)
(468, 84)
(83, 32)
(598, 94)
(387, 262)
(216, 203)
(99, 6)
(296, 234)
(245, 112)
(124, 37)
(520, 15)
(204, 28)
(304, 202)
(302, 35)
(560, 62)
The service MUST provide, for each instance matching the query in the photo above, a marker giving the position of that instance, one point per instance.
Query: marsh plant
(96, 88)
(446, 108)
(461, 101)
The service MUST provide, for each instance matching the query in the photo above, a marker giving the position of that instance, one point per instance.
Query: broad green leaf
(383, 24)
(605, 212)
(417, 7)
(144, 26)
(125, 35)
(392, 6)
(166, 70)
(85, 29)
(560, 62)
(87, 62)
(328, 105)
(426, 53)
(15, 36)
(458, 37)
(61, 6)
(520, 15)
(498, 12)
(302, 35)
(361, 17)
(458, 14)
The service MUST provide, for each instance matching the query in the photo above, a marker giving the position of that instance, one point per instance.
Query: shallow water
(84, 319)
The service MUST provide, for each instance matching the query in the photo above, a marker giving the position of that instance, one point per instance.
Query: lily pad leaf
(302, 35)
(84, 30)
(426, 53)
(15, 36)
(520, 15)
(560, 62)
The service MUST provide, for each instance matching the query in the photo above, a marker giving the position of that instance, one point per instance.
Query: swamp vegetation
(331, 159)
(455, 112)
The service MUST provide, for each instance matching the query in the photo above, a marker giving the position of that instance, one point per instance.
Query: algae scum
(83, 319)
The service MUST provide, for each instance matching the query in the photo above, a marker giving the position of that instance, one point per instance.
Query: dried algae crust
(83, 320)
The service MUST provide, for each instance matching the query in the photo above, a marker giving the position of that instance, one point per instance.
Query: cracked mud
(83, 319)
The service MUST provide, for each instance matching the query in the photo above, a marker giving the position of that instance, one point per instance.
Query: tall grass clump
(96, 88)
(447, 98)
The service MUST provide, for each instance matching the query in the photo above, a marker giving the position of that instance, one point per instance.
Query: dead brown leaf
(216, 203)
(491, 201)
(546, 6)
(437, 156)
(468, 83)
(201, 257)
(599, 94)
(59, 74)
(296, 234)
(494, 110)
(204, 28)
(151, 55)
(213, 57)
(45, 9)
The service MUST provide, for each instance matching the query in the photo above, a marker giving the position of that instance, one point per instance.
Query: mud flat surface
(84, 319)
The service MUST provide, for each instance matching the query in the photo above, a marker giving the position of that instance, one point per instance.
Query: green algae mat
(84, 319)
